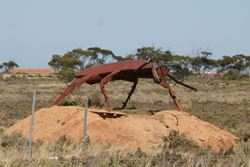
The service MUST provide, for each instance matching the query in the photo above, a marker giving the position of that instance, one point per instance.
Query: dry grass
(175, 152)
(223, 103)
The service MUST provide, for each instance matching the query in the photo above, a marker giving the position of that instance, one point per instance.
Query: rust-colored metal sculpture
(123, 70)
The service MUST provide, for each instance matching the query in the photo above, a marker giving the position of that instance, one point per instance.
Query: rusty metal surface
(123, 70)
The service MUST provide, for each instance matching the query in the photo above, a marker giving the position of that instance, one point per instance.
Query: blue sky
(31, 30)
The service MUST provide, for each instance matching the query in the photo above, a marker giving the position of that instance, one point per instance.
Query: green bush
(232, 75)
(66, 74)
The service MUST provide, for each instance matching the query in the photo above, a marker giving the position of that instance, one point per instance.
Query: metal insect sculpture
(123, 70)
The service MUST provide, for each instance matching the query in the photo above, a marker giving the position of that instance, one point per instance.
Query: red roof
(33, 70)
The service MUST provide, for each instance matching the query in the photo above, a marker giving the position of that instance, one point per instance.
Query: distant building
(208, 74)
(211, 74)
(42, 71)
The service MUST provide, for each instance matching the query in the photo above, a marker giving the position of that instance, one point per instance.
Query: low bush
(14, 140)
(66, 74)
(175, 141)
(232, 75)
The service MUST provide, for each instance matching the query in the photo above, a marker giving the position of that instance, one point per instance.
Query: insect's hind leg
(103, 82)
(75, 84)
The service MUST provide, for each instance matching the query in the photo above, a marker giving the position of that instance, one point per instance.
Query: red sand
(130, 131)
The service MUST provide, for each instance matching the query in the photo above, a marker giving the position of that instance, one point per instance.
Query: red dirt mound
(130, 131)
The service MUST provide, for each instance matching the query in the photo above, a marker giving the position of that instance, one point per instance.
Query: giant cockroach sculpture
(123, 70)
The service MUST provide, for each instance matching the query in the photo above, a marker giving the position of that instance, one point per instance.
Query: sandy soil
(127, 131)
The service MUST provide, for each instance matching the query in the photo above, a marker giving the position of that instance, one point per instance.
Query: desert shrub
(64, 141)
(69, 103)
(232, 75)
(66, 74)
(174, 141)
(96, 100)
(165, 158)
(137, 158)
(14, 140)
(39, 163)
(60, 146)
(73, 100)
(13, 76)
(111, 161)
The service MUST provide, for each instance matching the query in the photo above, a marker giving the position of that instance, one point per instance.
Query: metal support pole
(85, 135)
(32, 123)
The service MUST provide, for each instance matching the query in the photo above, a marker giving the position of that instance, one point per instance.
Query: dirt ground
(225, 104)
(127, 131)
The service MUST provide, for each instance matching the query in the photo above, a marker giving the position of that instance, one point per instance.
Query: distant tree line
(66, 65)
(8, 65)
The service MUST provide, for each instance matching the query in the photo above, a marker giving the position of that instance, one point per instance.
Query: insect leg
(103, 82)
(130, 93)
(166, 85)
(75, 84)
